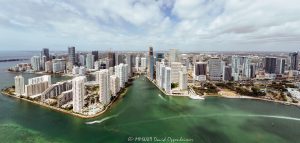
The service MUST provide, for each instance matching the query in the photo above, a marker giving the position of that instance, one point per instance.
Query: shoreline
(232, 97)
(165, 91)
(254, 98)
(70, 112)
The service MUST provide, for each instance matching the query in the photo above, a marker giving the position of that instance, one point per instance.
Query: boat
(196, 97)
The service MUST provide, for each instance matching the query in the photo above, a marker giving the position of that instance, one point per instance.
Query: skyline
(194, 25)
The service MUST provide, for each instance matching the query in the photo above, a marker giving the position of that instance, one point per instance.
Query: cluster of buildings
(170, 71)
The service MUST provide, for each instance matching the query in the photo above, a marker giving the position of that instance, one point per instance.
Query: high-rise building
(36, 63)
(104, 86)
(82, 59)
(157, 72)
(143, 64)
(280, 66)
(227, 73)
(71, 55)
(215, 67)
(137, 63)
(129, 63)
(19, 85)
(37, 85)
(162, 71)
(167, 85)
(294, 59)
(252, 70)
(173, 55)
(42, 62)
(240, 67)
(176, 67)
(183, 79)
(59, 65)
(150, 67)
(96, 55)
(48, 67)
(120, 71)
(90, 61)
(45, 52)
(78, 90)
(114, 85)
(112, 59)
(160, 56)
(200, 71)
(270, 65)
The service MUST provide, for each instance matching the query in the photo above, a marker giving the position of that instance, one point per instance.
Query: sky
(188, 25)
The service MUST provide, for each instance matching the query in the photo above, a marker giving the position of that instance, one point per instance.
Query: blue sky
(189, 25)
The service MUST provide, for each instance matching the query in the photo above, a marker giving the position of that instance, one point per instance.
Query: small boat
(196, 97)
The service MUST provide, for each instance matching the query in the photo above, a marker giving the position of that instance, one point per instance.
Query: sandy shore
(254, 98)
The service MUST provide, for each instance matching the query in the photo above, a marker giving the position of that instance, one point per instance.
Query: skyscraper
(36, 63)
(240, 67)
(71, 55)
(150, 67)
(90, 61)
(114, 85)
(200, 71)
(173, 55)
(167, 85)
(183, 79)
(112, 59)
(129, 63)
(215, 66)
(19, 85)
(280, 66)
(45, 52)
(82, 59)
(120, 72)
(78, 90)
(96, 55)
(137, 63)
(162, 72)
(176, 67)
(294, 61)
(270, 65)
(104, 86)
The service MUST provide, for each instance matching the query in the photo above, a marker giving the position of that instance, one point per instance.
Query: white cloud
(134, 24)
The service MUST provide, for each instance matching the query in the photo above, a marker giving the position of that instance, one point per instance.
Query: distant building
(36, 63)
(160, 56)
(45, 52)
(150, 67)
(59, 65)
(183, 79)
(215, 66)
(78, 89)
(82, 59)
(200, 71)
(137, 63)
(71, 55)
(129, 63)
(227, 73)
(19, 85)
(294, 58)
(280, 66)
(143, 64)
(173, 55)
(90, 61)
(270, 65)
(176, 67)
(112, 59)
(48, 67)
(240, 67)
(96, 55)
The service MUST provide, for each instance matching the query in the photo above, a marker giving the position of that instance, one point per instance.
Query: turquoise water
(145, 112)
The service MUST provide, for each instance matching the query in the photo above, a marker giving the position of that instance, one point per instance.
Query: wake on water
(162, 97)
(212, 115)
